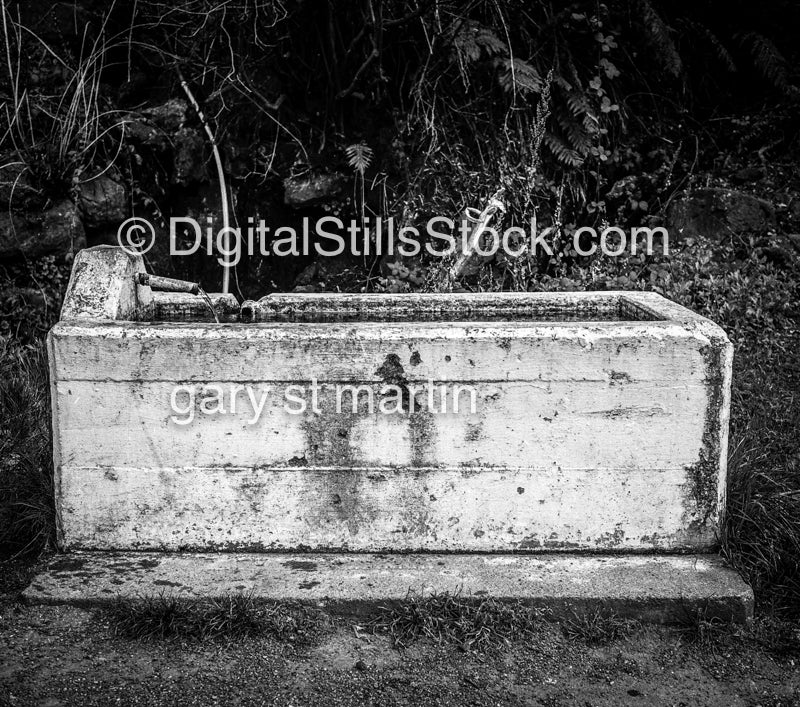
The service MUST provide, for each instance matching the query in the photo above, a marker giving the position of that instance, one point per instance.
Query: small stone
(169, 116)
(155, 126)
(310, 189)
(361, 666)
(307, 276)
(102, 201)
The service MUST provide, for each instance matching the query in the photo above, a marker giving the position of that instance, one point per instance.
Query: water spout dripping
(168, 284)
(204, 295)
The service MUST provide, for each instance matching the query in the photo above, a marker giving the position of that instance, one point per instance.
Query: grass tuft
(472, 623)
(761, 537)
(597, 627)
(779, 636)
(27, 515)
(230, 617)
(701, 629)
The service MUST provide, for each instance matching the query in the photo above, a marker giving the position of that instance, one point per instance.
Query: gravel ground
(52, 656)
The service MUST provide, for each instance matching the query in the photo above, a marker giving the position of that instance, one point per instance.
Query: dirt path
(52, 656)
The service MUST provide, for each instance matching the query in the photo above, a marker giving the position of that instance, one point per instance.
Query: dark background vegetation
(630, 112)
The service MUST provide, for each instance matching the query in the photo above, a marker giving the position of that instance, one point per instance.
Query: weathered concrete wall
(594, 436)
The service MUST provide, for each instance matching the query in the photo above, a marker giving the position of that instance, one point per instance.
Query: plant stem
(223, 189)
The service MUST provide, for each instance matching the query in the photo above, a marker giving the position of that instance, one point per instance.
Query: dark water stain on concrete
(423, 436)
(391, 372)
(703, 476)
(301, 565)
(67, 564)
(611, 540)
(474, 431)
(328, 438)
(422, 429)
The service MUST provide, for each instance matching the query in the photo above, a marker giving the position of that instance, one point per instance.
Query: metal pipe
(470, 259)
(167, 284)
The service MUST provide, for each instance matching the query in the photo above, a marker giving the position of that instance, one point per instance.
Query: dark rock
(32, 233)
(776, 255)
(794, 239)
(747, 175)
(307, 276)
(135, 89)
(237, 159)
(717, 213)
(189, 159)
(142, 133)
(155, 127)
(103, 201)
(169, 116)
(314, 188)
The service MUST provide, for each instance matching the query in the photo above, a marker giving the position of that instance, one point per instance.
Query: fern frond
(562, 82)
(575, 135)
(359, 157)
(487, 40)
(471, 39)
(720, 51)
(769, 61)
(658, 34)
(577, 103)
(520, 74)
(561, 151)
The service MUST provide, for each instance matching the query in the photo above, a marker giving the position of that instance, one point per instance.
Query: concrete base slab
(652, 588)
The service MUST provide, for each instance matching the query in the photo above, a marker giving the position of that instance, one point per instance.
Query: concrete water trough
(327, 423)
(587, 421)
